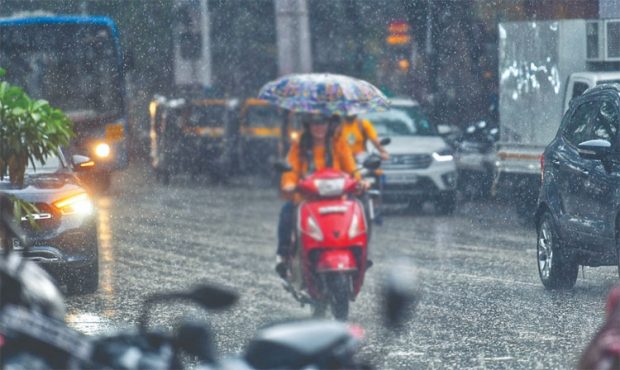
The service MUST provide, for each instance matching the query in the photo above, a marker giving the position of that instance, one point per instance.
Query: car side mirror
(594, 149)
(385, 141)
(82, 163)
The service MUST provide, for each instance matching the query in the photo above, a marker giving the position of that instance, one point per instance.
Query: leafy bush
(30, 130)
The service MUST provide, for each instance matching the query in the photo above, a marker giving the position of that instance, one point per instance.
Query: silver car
(421, 165)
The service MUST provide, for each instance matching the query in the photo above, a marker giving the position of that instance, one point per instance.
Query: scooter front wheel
(339, 288)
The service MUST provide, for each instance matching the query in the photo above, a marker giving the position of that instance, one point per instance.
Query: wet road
(483, 304)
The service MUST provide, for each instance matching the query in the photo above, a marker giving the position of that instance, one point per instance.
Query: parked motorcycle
(475, 159)
(330, 241)
(33, 334)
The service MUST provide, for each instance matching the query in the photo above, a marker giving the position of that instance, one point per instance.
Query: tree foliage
(30, 130)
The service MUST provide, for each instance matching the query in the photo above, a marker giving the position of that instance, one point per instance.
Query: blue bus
(75, 63)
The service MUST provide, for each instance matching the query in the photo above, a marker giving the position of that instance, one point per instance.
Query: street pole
(293, 36)
(192, 19)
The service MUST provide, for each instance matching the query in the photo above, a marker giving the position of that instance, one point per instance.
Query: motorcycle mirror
(281, 166)
(372, 162)
(212, 297)
(402, 292)
(385, 141)
(209, 297)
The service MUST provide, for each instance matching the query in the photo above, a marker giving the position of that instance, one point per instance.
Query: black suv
(578, 214)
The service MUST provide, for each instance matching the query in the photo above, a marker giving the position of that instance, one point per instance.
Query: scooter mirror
(402, 292)
(385, 141)
(372, 162)
(281, 166)
(212, 297)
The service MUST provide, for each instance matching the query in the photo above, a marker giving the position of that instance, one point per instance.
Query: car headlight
(102, 150)
(443, 155)
(75, 204)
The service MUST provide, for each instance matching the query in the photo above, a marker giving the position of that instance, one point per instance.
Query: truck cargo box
(535, 60)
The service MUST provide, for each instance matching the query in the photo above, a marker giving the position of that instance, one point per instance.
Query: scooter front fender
(336, 260)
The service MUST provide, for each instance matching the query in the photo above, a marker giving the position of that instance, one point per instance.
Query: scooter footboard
(336, 260)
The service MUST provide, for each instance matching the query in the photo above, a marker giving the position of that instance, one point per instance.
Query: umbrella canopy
(324, 93)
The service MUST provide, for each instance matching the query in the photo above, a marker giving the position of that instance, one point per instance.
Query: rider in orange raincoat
(317, 148)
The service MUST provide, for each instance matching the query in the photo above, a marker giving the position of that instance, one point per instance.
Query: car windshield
(401, 122)
(51, 165)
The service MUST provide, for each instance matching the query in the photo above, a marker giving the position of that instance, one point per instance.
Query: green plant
(30, 130)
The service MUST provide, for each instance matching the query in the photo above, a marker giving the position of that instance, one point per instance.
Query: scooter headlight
(356, 228)
(330, 188)
(313, 230)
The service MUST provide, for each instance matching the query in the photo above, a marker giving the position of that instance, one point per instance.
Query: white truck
(542, 66)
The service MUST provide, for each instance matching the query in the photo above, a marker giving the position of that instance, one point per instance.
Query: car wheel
(84, 280)
(557, 267)
(446, 204)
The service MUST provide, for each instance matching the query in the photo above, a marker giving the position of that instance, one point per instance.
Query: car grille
(408, 161)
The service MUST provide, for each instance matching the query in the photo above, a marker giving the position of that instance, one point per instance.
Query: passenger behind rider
(356, 132)
(316, 149)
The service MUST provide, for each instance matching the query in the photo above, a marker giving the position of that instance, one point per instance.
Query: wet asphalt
(482, 306)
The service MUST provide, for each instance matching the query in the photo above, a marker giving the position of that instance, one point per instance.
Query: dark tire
(338, 285)
(446, 203)
(84, 280)
(557, 267)
(527, 200)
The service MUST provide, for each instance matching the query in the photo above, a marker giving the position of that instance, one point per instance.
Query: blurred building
(442, 52)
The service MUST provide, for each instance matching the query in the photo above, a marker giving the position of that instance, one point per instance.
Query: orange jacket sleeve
(345, 158)
(371, 133)
(291, 177)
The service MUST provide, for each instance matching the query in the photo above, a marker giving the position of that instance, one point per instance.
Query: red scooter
(330, 242)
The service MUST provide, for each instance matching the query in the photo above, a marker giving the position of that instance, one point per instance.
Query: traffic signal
(398, 33)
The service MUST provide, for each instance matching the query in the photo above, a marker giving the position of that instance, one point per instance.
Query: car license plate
(17, 244)
(114, 132)
(401, 178)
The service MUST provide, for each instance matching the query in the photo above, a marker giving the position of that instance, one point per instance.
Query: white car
(421, 165)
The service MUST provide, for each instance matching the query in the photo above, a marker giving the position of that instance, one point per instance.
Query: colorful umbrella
(324, 93)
